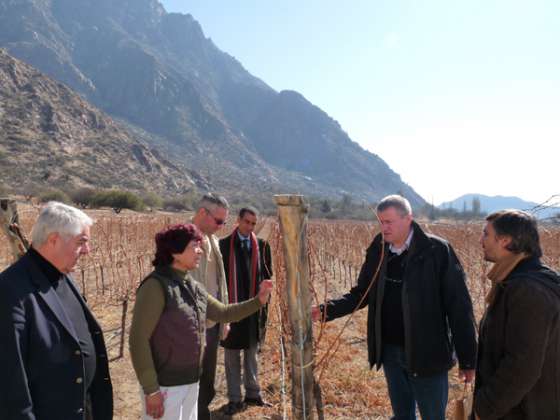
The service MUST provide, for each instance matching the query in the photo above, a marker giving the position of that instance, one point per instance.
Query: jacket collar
(46, 292)
(420, 241)
(526, 265)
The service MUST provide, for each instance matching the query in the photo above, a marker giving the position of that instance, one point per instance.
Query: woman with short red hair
(167, 335)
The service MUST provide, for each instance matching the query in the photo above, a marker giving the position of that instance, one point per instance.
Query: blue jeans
(406, 390)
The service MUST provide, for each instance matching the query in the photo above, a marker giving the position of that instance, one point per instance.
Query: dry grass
(122, 246)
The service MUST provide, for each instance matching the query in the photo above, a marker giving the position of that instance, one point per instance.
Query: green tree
(118, 200)
(54, 195)
(476, 206)
(152, 200)
(83, 197)
(346, 202)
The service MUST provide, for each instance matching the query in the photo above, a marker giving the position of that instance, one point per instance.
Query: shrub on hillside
(152, 200)
(175, 204)
(3, 191)
(184, 202)
(54, 195)
(117, 200)
(83, 197)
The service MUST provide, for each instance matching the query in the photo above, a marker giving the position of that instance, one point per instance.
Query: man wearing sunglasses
(211, 214)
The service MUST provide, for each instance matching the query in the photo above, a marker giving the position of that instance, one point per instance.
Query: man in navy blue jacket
(53, 362)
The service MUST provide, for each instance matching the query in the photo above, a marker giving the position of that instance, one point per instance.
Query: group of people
(420, 318)
(183, 309)
(204, 292)
(53, 356)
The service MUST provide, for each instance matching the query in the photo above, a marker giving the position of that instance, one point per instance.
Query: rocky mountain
(50, 136)
(489, 204)
(157, 72)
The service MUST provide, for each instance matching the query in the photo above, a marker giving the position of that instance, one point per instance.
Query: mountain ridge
(159, 72)
(489, 204)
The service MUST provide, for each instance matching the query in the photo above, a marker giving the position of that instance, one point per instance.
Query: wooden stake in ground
(9, 223)
(293, 224)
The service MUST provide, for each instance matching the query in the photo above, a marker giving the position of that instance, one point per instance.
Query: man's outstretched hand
(316, 313)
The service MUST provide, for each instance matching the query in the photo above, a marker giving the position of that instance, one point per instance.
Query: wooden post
(9, 223)
(293, 222)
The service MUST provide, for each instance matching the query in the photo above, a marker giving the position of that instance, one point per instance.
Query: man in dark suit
(247, 262)
(53, 361)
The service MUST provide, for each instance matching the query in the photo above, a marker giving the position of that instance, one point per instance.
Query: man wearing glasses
(211, 214)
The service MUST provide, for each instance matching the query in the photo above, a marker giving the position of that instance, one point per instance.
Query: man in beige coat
(210, 216)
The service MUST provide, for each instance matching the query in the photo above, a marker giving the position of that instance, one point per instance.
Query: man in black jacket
(518, 369)
(247, 262)
(419, 312)
(53, 361)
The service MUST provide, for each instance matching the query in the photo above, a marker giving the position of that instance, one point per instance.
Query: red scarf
(233, 268)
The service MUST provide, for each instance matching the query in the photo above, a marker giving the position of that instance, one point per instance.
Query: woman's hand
(226, 330)
(154, 405)
(264, 291)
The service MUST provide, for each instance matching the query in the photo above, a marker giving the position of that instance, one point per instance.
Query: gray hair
(398, 202)
(58, 218)
(211, 201)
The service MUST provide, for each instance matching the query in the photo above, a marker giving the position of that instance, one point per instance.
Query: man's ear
(504, 240)
(52, 238)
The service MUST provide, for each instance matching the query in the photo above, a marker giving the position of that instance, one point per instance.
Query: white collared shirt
(245, 238)
(405, 246)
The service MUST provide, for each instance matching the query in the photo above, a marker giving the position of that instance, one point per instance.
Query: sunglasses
(218, 222)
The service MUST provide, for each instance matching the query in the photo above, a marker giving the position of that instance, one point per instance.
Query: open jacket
(437, 309)
(252, 329)
(200, 275)
(41, 365)
(518, 369)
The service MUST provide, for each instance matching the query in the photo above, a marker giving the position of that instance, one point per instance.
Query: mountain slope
(51, 136)
(157, 70)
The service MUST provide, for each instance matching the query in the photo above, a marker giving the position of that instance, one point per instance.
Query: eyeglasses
(219, 222)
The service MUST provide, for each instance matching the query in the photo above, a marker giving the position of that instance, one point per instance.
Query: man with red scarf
(247, 262)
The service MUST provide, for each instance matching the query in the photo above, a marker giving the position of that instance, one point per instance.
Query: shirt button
(79, 410)
(77, 352)
(79, 380)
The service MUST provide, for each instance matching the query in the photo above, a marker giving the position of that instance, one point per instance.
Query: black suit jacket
(251, 329)
(41, 365)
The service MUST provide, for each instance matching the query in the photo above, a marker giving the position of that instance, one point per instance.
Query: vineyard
(122, 248)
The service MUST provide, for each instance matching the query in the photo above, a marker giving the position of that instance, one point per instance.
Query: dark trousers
(407, 390)
(210, 358)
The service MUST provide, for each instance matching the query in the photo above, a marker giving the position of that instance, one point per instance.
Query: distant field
(122, 248)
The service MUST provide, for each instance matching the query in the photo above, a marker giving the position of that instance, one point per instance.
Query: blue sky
(456, 96)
